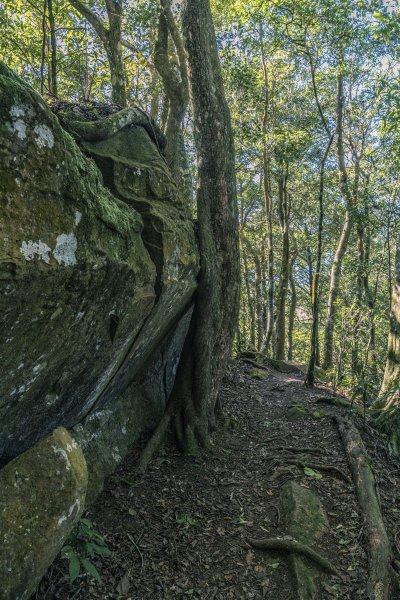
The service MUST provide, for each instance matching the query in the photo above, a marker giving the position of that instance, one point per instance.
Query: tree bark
(174, 75)
(53, 44)
(345, 234)
(283, 211)
(210, 338)
(111, 38)
(44, 47)
(292, 311)
(380, 575)
(268, 203)
(218, 290)
(387, 406)
(314, 352)
(250, 303)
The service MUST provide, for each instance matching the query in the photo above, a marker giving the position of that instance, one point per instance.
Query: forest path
(179, 532)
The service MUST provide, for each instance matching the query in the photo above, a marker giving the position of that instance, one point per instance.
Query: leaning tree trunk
(193, 402)
(346, 230)
(283, 209)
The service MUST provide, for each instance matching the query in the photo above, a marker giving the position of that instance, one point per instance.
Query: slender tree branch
(93, 19)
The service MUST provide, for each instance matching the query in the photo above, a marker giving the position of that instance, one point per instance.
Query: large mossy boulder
(87, 293)
(98, 268)
(42, 496)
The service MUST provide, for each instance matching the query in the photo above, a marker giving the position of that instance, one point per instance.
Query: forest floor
(179, 531)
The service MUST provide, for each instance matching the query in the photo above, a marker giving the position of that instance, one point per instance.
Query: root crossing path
(182, 530)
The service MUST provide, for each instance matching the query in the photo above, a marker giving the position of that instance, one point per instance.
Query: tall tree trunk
(283, 211)
(53, 43)
(193, 402)
(250, 302)
(292, 311)
(174, 75)
(388, 405)
(113, 49)
(345, 234)
(315, 293)
(314, 351)
(44, 47)
(259, 301)
(268, 203)
(219, 281)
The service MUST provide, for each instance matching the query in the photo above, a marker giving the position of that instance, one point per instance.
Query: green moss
(259, 374)
(296, 411)
(306, 522)
(42, 496)
(320, 413)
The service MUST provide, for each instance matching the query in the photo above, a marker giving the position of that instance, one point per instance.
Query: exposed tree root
(158, 435)
(295, 450)
(318, 467)
(292, 546)
(254, 363)
(297, 462)
(381, 577)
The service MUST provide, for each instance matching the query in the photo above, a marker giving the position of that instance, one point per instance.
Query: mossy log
(334, 401)
(380, 577)
(293, 547)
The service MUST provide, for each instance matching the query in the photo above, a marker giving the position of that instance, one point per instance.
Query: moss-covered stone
(306, 521)
(87, 293)
(259, 374)
(97, 274)
(42, 496)
(296, 411)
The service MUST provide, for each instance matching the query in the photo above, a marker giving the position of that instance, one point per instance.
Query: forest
(270, 223)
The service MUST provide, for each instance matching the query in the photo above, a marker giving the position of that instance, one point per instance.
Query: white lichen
(64, 455)
(43, 136)
(66, 246)
(116, 455)
(31, 250)
(17, 111)
(78, 217)
(18, 127)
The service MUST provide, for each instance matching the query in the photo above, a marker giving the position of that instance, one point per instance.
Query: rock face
(83, 303)
(98, 267)
(306, 522)
(42, 496)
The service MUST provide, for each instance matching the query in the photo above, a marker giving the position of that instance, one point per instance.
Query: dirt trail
(180, 531)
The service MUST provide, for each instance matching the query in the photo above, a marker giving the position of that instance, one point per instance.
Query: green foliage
(276, 109)
(185, 520)
(311, 473)
(84, 544)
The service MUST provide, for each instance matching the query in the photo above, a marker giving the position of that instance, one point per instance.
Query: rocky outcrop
(42, 496)
(98, 266)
